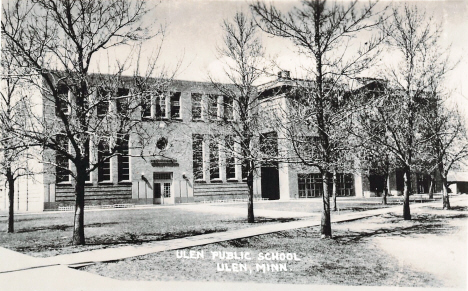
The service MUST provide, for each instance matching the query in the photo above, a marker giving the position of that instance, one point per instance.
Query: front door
(162, 189)
(270, 183)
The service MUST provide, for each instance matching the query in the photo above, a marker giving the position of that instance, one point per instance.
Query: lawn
(49, 234)
(354, 257)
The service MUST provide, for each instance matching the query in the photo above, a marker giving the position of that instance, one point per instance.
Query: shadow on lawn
(421, 224)
(60, 227)
(261, 219)
(134, 238)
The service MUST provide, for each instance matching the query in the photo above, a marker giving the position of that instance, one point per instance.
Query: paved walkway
(16, 267)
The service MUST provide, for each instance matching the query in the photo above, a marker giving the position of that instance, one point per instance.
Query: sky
(194, 31)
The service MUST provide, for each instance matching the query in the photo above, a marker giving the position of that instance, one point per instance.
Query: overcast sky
(194, 31)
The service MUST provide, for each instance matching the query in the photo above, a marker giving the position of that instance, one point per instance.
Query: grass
(49, 234)
(351, 258)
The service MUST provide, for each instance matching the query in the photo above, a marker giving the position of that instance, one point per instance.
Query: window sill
(232, 180)
(125, 182)
(216, 180)
(200, 181)
(105, 183)
(67, 183)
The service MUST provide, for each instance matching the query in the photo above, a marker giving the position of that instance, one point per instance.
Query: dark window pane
(175, 105)
(146, 106)
(61, 161)
(104, 170)
(63, 102)
(196, 106)
(197, 148)
(228, 108)
(160, 106)
(103, 103)
(212, 107)
(123, 159)
(230, 159)
(214, 159)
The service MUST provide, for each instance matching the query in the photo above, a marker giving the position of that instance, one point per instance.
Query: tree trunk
(78, 228)
(11, 200)
(334, 206)
(325, 229)
(445, 194)
(385, 190)
(250, 206)
(406, 194)
(431, 186)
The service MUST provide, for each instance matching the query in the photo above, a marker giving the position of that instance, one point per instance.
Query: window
(310, 185)
(61, 161)
(197, 148)
(87, 153)
(63, 100)
(104, 169)
(160, 106)
(228, 104)
(123, 159)
(230, 159)
(123, 104)
(244, 169)
(146, 106)
(269, 143)
(344, 184)
(212, 107)
(103, 103)
(214, 159)
(196, 106)
(175, 105)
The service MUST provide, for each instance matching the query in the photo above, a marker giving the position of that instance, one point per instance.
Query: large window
(104, 169)
(63, 100)
(196, 106)
(197, 148)
(61, 161)
(230, 158)
(344, 184)
(175, 105)
(310, 185)
(123, 159)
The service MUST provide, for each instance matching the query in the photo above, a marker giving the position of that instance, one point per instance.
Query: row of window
(104, 170)
(216, 162)
(158, 105)
(310, 185)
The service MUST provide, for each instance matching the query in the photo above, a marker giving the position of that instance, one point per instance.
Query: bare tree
(59, 40)
(243, 54)
(447, 142)
(324, 32)
(14, 151)
(412, 38)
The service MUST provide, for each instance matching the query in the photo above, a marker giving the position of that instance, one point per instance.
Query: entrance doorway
(270, 183)
(162, 190)
(377, 184)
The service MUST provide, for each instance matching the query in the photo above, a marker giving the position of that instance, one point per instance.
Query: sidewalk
(21, 272)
